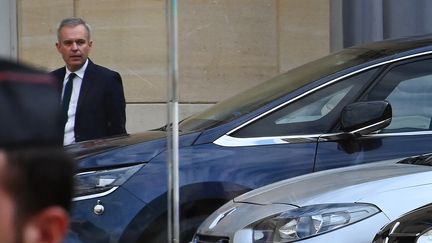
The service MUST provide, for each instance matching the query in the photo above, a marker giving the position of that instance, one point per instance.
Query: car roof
(394, 46)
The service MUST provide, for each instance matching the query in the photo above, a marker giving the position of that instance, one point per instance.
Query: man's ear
(49, 226)
(57, 46)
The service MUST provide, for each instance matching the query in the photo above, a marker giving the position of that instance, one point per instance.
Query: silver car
(349, 204)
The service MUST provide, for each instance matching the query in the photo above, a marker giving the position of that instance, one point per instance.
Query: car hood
(123, 150)
(349, 184)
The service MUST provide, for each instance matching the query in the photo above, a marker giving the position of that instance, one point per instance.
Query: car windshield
(276, 87)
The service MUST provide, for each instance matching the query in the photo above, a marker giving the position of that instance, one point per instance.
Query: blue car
(362, 104)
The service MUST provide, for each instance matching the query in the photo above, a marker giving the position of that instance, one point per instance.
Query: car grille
(210, 239)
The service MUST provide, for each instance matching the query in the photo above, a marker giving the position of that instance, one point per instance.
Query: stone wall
(225, 46)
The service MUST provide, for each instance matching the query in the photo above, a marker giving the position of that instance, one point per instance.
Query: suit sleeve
(115, 107)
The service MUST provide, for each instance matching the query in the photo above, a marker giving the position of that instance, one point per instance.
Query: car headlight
(426, 237)
(95, 183)
(309, 221)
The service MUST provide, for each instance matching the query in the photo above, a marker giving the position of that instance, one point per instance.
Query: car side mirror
(362, 118)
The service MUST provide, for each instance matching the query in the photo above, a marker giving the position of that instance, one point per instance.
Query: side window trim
(229, 141)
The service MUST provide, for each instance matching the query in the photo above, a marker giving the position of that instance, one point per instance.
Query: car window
(316, 109)
(313, 114)
(408, 88)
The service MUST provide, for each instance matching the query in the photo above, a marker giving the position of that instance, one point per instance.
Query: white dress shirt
(69, 133)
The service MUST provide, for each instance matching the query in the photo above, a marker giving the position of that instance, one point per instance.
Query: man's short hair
(72, 22)
(37, 178)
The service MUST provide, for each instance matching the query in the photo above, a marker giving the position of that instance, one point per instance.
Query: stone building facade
(225, 46)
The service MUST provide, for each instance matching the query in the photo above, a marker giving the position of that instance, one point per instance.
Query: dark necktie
(66, 98)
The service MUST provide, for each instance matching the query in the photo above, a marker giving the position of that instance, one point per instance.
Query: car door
(407, 86)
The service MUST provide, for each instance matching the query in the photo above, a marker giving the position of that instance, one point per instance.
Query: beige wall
(304, 31)
(225, 46)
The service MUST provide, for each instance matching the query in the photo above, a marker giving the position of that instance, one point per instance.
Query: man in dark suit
(92, 95)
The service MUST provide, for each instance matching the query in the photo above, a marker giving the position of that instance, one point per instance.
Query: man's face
(74, 46)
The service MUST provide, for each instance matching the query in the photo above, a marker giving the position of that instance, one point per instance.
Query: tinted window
(408, 88)
(314, 114)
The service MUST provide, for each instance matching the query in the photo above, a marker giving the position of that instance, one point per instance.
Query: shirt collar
(79, 72)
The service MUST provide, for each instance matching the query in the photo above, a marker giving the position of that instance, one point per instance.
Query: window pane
(408, 88)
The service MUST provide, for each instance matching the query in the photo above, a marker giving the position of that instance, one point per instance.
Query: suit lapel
(60, 75)
(86, 85)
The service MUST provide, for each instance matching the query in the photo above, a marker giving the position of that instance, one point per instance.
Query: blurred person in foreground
(36, 175)
(92, 96)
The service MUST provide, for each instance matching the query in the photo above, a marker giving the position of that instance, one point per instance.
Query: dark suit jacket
(101, 103)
